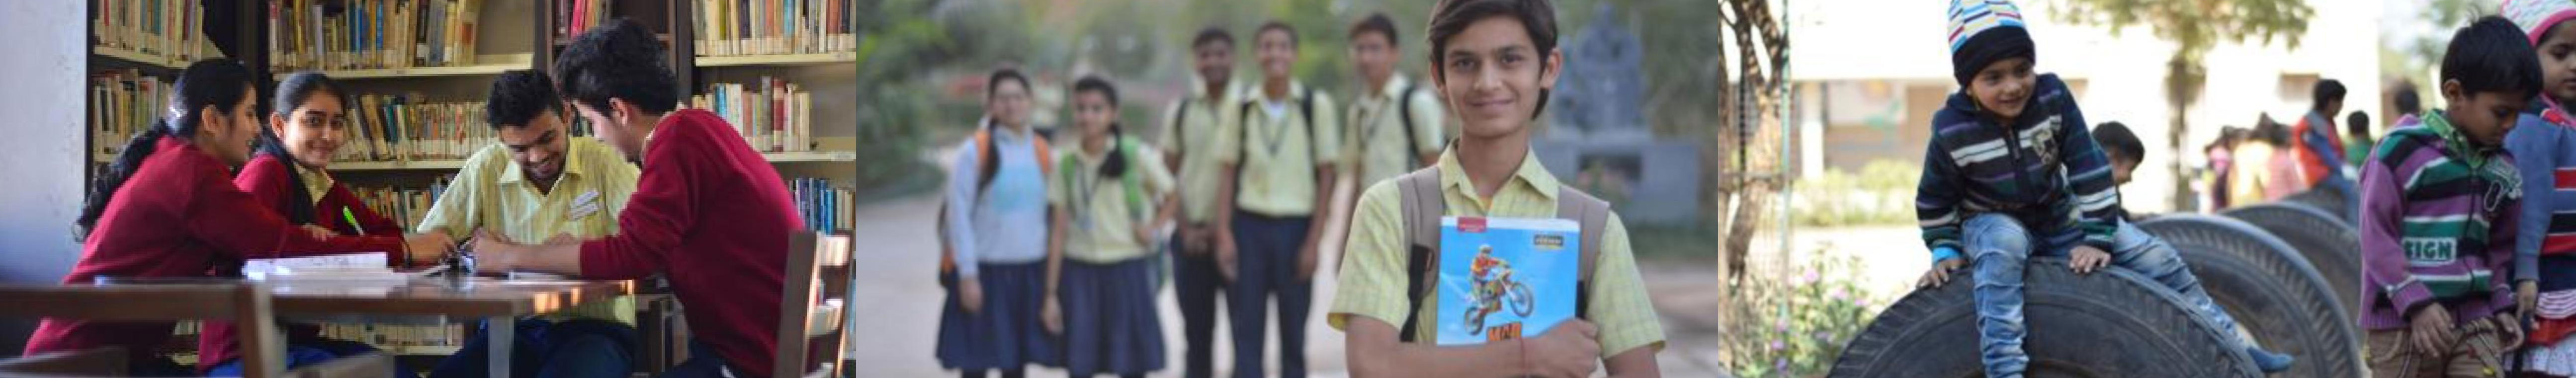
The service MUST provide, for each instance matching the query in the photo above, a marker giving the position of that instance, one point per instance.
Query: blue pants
(1196, 283)
(1999, 248)
(1266, 265)
(543, 348)
(306, 353)
(702, 363)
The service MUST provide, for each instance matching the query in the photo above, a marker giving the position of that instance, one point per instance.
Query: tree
(2194, 26)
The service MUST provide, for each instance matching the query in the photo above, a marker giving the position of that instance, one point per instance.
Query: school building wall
(42, 154)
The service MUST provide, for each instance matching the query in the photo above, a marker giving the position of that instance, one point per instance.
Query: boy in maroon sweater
(708, 212)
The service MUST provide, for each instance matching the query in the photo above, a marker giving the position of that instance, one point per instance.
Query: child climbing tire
(2111, 323)
(2271, 291)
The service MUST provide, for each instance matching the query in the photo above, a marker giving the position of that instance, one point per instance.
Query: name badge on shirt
(584, 205)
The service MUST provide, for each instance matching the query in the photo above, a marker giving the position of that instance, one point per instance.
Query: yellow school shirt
(1205, 116)
(1376, 123)
(1104, 221)
(1374, 259)
(490, 192)
(1278, 158)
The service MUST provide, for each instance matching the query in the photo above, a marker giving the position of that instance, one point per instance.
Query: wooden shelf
(421, 350)
(812, 157)
(493, 64)
(782, 59)
(139, 57)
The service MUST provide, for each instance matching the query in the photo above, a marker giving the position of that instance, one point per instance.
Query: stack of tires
(2288, 272)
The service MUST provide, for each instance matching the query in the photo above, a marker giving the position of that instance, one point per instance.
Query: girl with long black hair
(1110, 197)
(166, 207)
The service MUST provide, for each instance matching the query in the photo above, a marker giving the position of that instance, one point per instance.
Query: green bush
(1881, 194)
(1795, 326)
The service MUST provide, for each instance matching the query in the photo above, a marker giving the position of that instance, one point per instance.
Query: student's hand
(1225, 256)
(320, 232)
(970, 295)
(425, 249)
(2526, 297)
(1145, 237)
(495, 254)
(1194, 241)
(1572, 350)
(1306, 262)
(1940, 273)
(2431, 328)
(2088, 259)
(1051, 316)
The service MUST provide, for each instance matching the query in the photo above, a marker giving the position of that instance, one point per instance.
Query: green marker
(353, 220)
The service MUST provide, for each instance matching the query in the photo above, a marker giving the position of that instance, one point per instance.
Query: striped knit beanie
(1984, 31)
(2535, 17)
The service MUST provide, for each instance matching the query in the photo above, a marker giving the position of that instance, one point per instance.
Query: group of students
(2469, 261)
(1054, 256)
(661, 191)
(2272, 161)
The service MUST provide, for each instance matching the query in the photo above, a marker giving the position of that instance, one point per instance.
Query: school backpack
(1404, 111)
(985, 167)
(1423, 206)
(1243, 131)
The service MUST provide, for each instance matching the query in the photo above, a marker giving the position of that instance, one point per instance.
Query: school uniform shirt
(265, 179)
(1202, 117)
(2436, 225)
(713, 217)
(179, 215)
(1277, 149)
(1374, 260)
(1104, 217)
(1004, 221)
(1377, 130)
(491, 193)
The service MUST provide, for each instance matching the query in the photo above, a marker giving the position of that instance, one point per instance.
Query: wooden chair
(246, 304)
(811, 309)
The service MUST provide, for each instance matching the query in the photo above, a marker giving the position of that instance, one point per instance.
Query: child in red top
(167, 208)
(708, 213)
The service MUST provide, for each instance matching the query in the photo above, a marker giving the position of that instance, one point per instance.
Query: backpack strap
(1306, 108)
(1404, 111)
(1179, 135)
(984, 157)
(1594, 215)
(1422, 206)
(1046, 156)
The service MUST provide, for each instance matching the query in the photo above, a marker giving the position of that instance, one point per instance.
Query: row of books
(167, 29)
(408, 127)
(371, 34)
(776, 116)
(122, 103)
(763, 27)
(386, 335)
(575, 16)
(824, 207)
(407, 205)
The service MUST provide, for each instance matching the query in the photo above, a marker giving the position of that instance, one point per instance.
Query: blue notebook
(1505, 278)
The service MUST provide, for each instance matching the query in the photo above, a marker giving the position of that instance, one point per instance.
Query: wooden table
(498, 302)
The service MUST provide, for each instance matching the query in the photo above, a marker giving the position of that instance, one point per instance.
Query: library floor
(902, 306)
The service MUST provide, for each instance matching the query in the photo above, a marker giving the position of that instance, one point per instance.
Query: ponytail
(212, 83)
(1116, 163)
(297, 204)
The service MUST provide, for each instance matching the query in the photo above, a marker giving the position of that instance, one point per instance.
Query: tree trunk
(2183, 79)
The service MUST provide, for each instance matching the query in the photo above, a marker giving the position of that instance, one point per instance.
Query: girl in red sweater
(166, 207)
(288, 173)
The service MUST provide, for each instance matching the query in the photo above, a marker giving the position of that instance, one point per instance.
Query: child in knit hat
(2440, 201)
(2012, 173)
(2542, 143)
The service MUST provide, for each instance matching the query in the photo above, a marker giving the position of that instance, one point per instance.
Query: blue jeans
(1265, 266)
(545, 348)
(2000, 247)
(305, 354)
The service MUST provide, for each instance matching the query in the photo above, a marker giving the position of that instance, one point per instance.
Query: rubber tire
(2269, 289)
(2329, 244)
(2326, 199)
(2112, 323)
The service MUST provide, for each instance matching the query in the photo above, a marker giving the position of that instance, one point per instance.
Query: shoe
(2269, 362)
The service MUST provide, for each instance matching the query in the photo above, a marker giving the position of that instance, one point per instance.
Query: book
(170, 31)
(404, 204)
(123, 103)
(370, 34)
(772, 114)
(408, 127)
(822, 205)
(1505, 278)
(773, 27)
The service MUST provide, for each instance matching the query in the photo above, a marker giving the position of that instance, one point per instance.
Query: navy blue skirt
(1111, 326)
(1006, 334)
